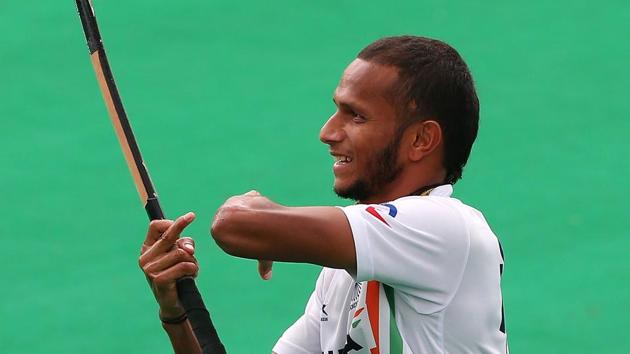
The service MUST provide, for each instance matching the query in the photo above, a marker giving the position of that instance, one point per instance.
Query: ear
(424, 137)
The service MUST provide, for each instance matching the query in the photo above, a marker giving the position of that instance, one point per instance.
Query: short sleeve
(417, 245)
(303, 337)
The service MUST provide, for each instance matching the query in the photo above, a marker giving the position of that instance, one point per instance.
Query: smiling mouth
(342, 159)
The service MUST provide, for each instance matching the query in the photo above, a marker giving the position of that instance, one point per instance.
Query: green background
(228, 96)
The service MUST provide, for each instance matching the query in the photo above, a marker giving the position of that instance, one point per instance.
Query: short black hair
(436, 82)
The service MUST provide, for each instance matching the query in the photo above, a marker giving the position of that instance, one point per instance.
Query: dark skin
(165, 257)
(252, 226)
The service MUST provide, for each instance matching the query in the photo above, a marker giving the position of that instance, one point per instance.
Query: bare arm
(182, 338)
(252, 226)
(164, 259)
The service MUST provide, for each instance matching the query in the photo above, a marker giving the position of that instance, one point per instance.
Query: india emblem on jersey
(372, 326)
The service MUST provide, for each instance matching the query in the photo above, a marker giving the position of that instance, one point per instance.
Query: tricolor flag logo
(391, 212)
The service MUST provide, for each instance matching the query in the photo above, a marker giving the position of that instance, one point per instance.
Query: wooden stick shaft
(186, 288)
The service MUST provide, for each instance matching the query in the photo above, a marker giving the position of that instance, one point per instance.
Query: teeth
(342, 159)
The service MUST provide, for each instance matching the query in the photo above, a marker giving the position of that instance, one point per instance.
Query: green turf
(229, 96)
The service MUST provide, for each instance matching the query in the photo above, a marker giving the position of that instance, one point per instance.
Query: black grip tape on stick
(199, 316)
(187, 291)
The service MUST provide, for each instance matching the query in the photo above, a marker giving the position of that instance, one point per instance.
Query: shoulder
(432, 214)
(441, 207)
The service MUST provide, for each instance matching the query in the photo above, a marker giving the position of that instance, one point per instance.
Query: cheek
(367, 151)
(367, 143)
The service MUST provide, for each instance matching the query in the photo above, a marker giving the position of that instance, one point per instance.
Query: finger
(156, 229)
(168, 238)
(177, 255)
(252, 193)
(172, 233)
(187, 244)
(168, 276)
(264, 269)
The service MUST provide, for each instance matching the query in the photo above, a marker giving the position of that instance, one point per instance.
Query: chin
(355, 191)
(343, 193)
(342, 185)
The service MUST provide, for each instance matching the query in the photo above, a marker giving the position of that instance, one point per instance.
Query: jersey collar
(444, 190)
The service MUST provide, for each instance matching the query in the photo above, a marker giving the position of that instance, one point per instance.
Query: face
(363, 133)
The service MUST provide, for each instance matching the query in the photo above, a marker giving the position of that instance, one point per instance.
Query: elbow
(224, 230)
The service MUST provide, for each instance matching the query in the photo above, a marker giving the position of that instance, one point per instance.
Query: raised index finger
(167, 239)
(170, 236)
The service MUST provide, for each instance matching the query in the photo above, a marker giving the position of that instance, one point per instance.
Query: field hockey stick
(186, 288)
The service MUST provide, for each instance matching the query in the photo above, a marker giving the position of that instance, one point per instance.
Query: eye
(358, 118)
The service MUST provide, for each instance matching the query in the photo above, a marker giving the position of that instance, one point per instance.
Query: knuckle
(180, 221)
(159, 225)
(154, 224)
(191, 259)
(180, 253)
(160, 281)
(143, 261)
(185, 267)
(191, 267)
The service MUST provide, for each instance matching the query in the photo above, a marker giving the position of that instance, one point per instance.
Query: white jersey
(428, 281)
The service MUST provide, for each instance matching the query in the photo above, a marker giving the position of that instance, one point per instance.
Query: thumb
(264, 269)
(252, 193)
(187, 244)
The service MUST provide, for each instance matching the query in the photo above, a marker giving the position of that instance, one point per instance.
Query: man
(407, 269)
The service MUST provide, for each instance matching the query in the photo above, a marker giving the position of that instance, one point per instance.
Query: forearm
(182, 338)
(255, 227)
(165, 258)
(260, 233)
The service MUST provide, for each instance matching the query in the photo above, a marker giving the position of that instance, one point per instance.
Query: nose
(332, 131)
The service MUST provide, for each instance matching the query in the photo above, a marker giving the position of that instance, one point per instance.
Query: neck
(427, 189)
(403, 187)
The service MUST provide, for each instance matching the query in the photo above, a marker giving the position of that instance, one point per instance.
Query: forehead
(364, 82)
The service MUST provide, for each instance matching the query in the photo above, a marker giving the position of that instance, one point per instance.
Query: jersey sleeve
(303, 337)
(417, 245)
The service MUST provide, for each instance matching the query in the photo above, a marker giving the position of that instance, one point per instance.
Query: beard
(381, 170)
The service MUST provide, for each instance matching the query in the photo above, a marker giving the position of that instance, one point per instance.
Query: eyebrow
(351, 106)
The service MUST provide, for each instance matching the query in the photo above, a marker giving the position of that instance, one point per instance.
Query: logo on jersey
(355, 295)
(355, 320)
(363, 324)
(351, 345)
(324, 317)
(374, 212)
